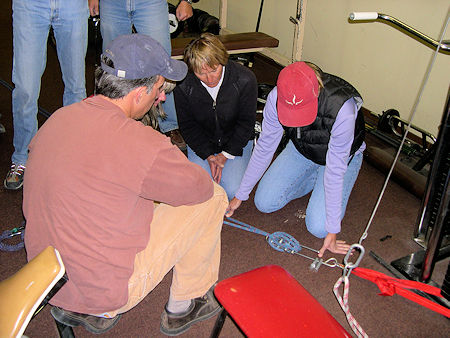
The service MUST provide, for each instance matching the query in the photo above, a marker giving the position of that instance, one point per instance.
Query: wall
(383, 63)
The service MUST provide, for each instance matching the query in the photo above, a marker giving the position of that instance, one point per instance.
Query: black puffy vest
(312, 140)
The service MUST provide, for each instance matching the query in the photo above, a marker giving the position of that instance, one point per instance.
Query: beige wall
(384, 64)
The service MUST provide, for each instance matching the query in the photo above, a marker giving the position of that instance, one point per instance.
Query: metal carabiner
(349, 266)
(332, 263)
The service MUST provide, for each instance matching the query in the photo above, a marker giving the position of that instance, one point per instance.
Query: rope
(12, 233)
(284, 242)
(244, 226)
(343, 302)
(413, 113)
(279, 241)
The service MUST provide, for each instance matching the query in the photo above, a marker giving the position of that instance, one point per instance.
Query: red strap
(390, 286)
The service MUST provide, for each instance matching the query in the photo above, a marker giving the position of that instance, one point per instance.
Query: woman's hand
(234, 204)
(220, 162)
(212, 165)
(218, 175)
(335, 246)
(216, 164)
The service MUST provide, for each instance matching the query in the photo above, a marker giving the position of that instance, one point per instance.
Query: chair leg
(65, 331)
(219, 323)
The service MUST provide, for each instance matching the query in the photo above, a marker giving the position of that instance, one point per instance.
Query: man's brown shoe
(91, 323)
(176, 139)
(201, 308)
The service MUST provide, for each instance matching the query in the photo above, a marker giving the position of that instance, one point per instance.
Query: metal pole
(436, 210)
(259, 15)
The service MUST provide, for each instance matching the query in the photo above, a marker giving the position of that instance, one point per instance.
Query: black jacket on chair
(227, 124)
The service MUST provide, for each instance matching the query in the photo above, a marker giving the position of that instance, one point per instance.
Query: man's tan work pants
(185, 238)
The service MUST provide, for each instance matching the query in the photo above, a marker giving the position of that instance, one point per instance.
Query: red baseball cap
(298, 92)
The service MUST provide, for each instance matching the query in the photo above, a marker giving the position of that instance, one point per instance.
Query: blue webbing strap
(12, 233)
(280, 241)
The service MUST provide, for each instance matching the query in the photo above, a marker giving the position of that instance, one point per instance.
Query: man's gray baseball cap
(138, 56)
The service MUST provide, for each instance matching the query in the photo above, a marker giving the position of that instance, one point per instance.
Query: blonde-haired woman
(216, 109)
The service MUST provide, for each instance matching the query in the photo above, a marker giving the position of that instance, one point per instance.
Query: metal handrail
(369, 16)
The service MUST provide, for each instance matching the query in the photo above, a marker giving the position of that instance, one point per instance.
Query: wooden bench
(234, 43)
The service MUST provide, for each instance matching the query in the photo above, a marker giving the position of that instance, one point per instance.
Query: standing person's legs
(316, 212)
(290, 176)
(70, 26)
(185, 238)
(115, 20)
(234, 170)
(151, 17)
(31, 24)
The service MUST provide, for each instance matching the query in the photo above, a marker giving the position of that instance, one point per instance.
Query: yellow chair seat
(22, 293)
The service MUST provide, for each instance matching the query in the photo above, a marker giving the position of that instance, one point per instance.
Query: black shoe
(91, 323)
(173, 324)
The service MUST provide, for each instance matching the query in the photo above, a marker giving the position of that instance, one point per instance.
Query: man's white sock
(178, 306)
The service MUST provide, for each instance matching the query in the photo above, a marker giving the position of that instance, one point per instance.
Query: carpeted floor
(243, 251)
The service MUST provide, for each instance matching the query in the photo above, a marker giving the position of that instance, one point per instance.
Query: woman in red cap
(319, 113)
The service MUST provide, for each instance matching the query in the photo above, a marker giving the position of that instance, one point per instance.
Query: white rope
(430, 67)
(343, 302)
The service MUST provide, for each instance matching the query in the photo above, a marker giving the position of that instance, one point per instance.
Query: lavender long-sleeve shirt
(341, 139)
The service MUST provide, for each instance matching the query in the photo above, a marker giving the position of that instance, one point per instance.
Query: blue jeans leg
(289, 177)
(292, 176)
(71, 30)
(115, 20)
(233, 171)
(315, 212)
(193, 157)
(149, 17)
(31, 24)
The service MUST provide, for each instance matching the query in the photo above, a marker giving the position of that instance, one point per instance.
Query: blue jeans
(31, 24)
(292, 176)
(233, 171)
(149, 17)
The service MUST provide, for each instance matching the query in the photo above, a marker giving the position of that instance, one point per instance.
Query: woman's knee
(315, 223)
(265, 203)
(230, 188)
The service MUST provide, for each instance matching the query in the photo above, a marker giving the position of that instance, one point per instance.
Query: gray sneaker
(201, 308)
(14, 178)
(91, 323)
